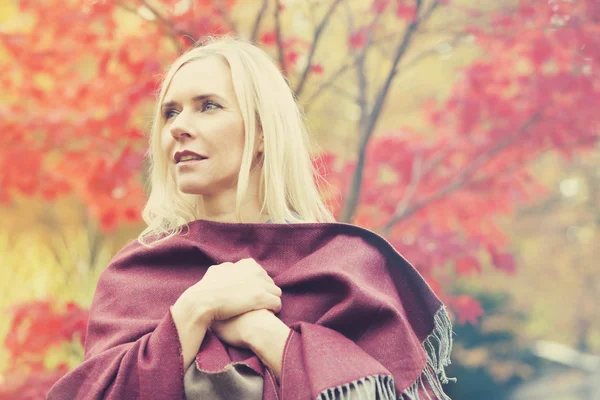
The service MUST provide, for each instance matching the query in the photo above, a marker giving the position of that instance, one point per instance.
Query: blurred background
(464, 131)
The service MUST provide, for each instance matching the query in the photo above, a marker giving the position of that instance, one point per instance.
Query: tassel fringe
(380, 387)
(438, 346)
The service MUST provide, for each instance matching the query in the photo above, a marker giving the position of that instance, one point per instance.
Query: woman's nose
(180, 129)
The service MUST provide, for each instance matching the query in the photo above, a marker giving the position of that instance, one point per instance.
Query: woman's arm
(192, 322)
(268, 337)
(267, 341)
(149, 367)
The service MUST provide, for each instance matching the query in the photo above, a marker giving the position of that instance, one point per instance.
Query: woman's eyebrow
(195, 99)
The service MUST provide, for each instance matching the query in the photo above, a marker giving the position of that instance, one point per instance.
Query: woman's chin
(193, 189)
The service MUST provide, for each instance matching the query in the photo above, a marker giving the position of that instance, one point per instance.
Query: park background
(464, 131)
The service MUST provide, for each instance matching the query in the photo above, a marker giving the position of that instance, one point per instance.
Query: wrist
(198, 312)
(268, 343)
(265, 336)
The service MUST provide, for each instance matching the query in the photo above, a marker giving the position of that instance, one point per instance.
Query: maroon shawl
(356, 308)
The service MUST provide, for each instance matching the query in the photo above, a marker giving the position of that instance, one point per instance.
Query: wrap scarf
(358, 312)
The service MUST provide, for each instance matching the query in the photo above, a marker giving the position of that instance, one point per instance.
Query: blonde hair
(287, 181)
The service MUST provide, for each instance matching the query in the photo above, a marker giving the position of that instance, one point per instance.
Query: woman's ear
(261, 143)
(260, 138)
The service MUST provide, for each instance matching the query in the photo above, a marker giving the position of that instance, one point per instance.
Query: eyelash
(167, 114)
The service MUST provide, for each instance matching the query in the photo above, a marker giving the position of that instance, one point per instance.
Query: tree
(78, 78)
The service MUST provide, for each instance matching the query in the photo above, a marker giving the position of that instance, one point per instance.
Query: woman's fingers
(274, 289)
(272, 303)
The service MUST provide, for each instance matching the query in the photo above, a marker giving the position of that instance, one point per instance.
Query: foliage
(37, 328)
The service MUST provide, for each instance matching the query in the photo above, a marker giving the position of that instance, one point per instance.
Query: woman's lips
(190, 162)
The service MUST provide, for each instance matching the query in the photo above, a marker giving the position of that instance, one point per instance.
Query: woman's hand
(260, 331)
(231, 289)
(240, 331)
(225, 291)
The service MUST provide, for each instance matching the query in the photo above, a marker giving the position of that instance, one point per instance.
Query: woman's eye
(210, 105)
(169, 114)
(206, 106)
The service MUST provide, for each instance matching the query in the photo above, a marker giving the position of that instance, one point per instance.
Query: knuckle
(226, 264)
(259, 296)
(263, 274)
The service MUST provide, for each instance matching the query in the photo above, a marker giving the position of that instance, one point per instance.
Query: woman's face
(203, 116)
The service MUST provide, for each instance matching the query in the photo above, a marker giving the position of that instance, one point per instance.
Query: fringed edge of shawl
(438, 347)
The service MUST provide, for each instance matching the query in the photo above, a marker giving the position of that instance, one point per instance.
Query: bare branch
(527, 160)
(437, 159)
(434, 50)
(345, 93)
(367, 126)
(361, 73)
(165, 25)
(258, 20)
(328, 83)
(280, 54)
(460, 179)
(415, 179)
(345, 67)
(400, 51)
(313, 46)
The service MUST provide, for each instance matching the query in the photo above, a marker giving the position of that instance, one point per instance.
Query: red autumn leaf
(468, 265)
(108, 219)
(358, 39)
(132, 214)
(30, 386)
(527, 12)
(291, 58)
(503, 261)
(316, 69)
(406, 12)
(39, 325)
(379, 6)
(467, 308)
(269, 38)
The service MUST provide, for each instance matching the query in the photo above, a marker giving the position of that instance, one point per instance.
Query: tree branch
(361, 73)
(416, 175)
(280, 54)
(410, 63)
(367, 127)
(459, 180)
(328, 83)
(258, 20)
(164, 24)
(313, 47)
(337, 74)
(345, 93)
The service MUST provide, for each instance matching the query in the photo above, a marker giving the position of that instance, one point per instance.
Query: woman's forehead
(208, 75)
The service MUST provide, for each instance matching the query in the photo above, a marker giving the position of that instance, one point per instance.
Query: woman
(199, 315)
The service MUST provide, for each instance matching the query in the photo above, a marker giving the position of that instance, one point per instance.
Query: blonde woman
(243, 286)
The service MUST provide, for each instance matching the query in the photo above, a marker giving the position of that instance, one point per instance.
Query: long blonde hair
(287, 181)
